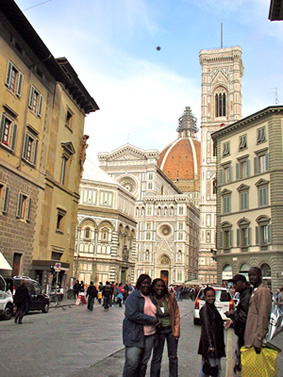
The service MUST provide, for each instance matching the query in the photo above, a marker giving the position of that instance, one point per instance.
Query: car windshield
(220, 295)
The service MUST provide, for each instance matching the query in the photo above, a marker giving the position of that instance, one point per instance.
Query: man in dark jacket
(239, 315)
(22, 301)
(107, 294)
(91, 293)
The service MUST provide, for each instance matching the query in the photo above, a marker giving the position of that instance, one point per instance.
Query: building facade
(167, 221)
(250, 196)
(106, 229)
(221, 105)
(42, 145)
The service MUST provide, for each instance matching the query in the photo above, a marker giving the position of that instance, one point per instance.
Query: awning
(4, 265)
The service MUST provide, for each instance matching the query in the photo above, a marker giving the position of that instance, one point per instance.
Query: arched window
(227, 273)
(266, 274)
(87, 233)
(220, 102)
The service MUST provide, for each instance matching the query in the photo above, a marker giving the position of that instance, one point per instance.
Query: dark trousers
(172, 345)
(106, 302)
(20, 312)
(136, 358)
(90, 303)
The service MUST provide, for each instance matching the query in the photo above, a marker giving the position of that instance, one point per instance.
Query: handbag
(208, 369)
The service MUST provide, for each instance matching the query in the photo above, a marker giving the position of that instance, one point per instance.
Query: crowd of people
(152, 318)
(107, 295)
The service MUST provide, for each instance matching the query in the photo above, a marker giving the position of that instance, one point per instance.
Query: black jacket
(212, 332)
(22, 297)
(239, 316)
(91, 291)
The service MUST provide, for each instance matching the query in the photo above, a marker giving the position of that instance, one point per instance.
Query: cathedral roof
(181, 159)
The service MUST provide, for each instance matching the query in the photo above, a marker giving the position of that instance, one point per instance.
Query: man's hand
(228, 313)
(227, 324)
(257, 350)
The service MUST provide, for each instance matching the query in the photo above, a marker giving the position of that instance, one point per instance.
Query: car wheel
(8, 311)
(45, 309)
(196, 321)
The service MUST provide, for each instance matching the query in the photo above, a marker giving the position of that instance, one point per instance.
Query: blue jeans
(213, 362)
(137, 358)
(172, 345)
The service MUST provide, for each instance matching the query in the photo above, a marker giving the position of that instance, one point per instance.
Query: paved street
(72, 342)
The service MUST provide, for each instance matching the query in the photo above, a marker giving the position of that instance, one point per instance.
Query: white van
(6, 300)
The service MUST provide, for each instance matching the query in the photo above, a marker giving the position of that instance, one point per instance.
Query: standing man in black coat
(239, 315)
(22, 301)
(91, 293)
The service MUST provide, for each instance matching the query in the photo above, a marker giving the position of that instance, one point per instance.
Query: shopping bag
(259, 365)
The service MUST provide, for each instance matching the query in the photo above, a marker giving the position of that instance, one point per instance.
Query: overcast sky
(141, 91)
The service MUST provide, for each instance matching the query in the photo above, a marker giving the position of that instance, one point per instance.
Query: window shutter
(28, 209)
(221, 239)
(8, 76)
(269, 234)
(238, 171)
(25, 147)
(248, 168)
(35, 151)
(231, 238)
(2, 127)
(20, 84)
(40, 105)
(249, 236)
(256, 165)
(257, 234)
(267, 161)
(221, 176)
(5, 203)
(238, 237)
(230, 174)
(19, 206)
(14, 137)
(31, 97)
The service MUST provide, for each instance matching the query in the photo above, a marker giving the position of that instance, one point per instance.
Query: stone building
(221, 105)
(167, 221)
(250, 196)
(42, 146)
(106, 229)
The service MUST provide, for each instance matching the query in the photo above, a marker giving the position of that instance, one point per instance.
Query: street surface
(70, 341)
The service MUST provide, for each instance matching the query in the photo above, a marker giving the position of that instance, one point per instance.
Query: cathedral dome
(180, 160)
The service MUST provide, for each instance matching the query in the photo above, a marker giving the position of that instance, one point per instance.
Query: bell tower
(221, 105)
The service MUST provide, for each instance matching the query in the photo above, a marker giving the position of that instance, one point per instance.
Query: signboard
(57, 267)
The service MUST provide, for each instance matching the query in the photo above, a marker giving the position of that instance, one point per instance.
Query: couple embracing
(151, 316)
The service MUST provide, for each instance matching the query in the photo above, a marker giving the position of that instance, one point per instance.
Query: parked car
(6, 300)
(223, 302)
(39, 300)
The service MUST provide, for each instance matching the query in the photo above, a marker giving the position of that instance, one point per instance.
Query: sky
(142, 91)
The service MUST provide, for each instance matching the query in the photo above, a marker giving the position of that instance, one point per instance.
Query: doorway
(164, 276)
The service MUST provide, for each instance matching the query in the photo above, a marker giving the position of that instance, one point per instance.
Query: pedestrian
(211, 344)
(91, 294)
(106, 293)
(120, 292)
(99, 297)
(238, 317)
(22, 300)
(82, 287)
(259, 311)
(139, 328)
(168, 312)
(76, 289)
